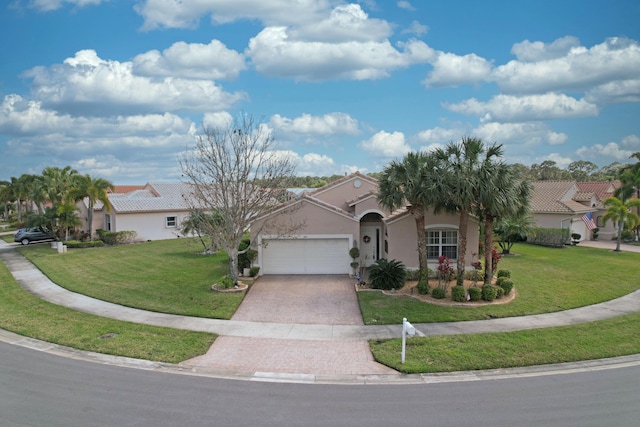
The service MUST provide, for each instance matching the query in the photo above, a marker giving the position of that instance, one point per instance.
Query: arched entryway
(371, 242)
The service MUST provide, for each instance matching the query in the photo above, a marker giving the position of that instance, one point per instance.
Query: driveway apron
(309, 300)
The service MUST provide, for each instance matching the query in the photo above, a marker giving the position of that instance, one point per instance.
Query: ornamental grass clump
(387, 274)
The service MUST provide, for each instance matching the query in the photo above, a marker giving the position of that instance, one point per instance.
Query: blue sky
(119, 88)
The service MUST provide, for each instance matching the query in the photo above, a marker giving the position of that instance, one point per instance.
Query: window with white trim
(442, 242)
(171, 221)
(107, 222)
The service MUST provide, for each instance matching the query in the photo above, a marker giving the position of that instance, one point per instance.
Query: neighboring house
(154, 211)
(562, 204)
(330, 220)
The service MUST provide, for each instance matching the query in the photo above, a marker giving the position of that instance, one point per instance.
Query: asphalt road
(41, 389)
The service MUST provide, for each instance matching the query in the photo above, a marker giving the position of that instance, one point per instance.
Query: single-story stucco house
(154, 211)
(313, 232)
(563, 204)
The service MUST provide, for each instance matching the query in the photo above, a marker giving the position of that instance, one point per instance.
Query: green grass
(594, 340)
(546, 280)
(26, 314)
(7, 238)
(167, 276)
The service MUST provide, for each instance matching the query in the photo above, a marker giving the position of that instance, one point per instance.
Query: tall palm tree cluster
(620, 206)
(49, 199)
(467, 178)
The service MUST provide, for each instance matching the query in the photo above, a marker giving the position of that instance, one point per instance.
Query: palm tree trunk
(619, 240)
(90, 219)
(422, 245)
(488, 242)
(462, 250)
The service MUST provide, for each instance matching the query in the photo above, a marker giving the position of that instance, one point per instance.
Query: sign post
(407, 329)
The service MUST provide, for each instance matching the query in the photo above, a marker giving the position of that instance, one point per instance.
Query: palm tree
(513, 229)
(502, 193)
(414, 184)
(58, 182)
(463, 163)
(5, 197)
(620, 213)
(66, 214)
(94, 190)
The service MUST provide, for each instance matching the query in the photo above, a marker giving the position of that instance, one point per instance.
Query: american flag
(588, 220)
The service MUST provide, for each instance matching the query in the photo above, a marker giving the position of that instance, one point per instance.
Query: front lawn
(168, 276)
(545, 279)
(28, 315)
(586, 341)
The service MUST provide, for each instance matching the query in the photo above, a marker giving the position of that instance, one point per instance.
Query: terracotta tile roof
(360, 198)
(343, 179)
(601, 189)
(583, 196)
(120, 189)
(556, 197)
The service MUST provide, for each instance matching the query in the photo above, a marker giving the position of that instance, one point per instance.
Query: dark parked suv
(33, 234)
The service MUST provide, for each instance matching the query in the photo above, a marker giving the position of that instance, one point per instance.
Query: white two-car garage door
(306, 256)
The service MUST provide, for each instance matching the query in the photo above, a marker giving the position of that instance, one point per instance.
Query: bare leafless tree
(235, 173)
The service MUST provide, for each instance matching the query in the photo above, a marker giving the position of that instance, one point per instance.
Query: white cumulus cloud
(509, 108)
(191, 61)
(454, 70)
(88, 84)
(386, 145)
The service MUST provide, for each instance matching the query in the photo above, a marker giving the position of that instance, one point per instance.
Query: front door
(369, 245)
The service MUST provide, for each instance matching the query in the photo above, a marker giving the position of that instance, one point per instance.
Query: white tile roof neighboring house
(153, 198)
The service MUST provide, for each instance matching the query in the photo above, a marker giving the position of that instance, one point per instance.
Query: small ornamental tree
(445, 272)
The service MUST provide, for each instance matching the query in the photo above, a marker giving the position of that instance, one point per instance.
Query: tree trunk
(90, 219)
(488, 243)
(422, 246)
(233, 264)
(620, 227)
(462, 249)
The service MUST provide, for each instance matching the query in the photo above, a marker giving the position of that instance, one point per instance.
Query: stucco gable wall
(308, 219)
(368, 205)
(344, 191)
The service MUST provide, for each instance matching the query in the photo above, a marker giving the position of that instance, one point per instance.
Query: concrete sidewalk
(31, 279)
(297, 340)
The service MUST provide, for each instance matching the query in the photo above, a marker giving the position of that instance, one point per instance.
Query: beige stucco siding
(341, 194)
(148, 225)
(304, 219)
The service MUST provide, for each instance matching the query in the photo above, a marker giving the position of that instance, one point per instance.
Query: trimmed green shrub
(475, 275)
(253, 271)
(387, 274)
(499, 292)
(438, 293)
(554, 237)
(504, 273)
(423, 287)
(75, 244)
(489, 293)
(116, 237)
(475, 293)
(505, 284)
(458, 293)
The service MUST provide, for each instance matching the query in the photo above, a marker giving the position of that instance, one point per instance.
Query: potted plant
(595, 232)
(575, 238)
(354, 253)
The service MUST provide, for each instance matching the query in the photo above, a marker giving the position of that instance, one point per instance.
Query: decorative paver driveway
(322, 300)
